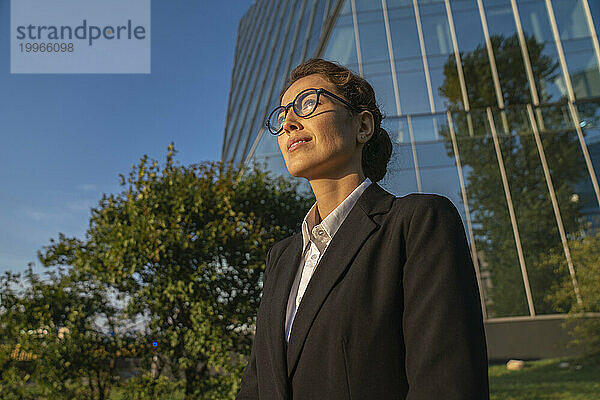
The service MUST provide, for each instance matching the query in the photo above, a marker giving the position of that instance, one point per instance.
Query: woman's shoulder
(281, 245)
(420, 202)
(422, 206)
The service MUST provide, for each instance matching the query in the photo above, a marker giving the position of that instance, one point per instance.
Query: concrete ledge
(530, 338)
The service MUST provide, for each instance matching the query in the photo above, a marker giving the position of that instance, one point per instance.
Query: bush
(145, 387)
(584, 321)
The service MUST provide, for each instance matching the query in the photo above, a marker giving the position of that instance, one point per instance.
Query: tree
(184, 246)
(52, 338)
(585, 252)
(489, 210)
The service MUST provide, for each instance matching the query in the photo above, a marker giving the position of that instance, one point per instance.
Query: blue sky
(65, 138)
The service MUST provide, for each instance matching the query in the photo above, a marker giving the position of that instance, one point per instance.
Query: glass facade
(492, 103)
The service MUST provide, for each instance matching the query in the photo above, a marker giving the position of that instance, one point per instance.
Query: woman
(376, 297)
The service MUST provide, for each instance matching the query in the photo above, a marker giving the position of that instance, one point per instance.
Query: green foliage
(14, 376)
(51, 341)
(184, 246)
(145, 387)
(585, 253)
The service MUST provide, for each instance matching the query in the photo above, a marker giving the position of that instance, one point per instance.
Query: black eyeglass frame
(291, 104)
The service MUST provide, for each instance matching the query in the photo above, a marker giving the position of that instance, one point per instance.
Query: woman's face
(331, 149)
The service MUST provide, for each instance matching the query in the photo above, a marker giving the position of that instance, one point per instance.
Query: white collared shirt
(315, 239)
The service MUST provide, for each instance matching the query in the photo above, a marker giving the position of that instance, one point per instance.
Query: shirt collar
(334, 220)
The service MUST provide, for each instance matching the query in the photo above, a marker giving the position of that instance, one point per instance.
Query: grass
(545, 380)
(538, 380)
(116, 394)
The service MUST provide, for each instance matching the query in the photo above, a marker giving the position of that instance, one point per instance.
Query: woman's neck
(331, 192)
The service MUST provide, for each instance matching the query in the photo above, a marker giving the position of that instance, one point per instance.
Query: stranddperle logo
(81, 32)
(80, 36)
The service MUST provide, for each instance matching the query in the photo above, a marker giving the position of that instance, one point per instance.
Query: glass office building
(494, 104)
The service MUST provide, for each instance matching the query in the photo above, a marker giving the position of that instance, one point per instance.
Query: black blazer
(391, 312)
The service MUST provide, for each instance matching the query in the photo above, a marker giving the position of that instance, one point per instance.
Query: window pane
(366, 5)
(589, 115)
(583, 67)
(507, 53)
(373, 40)
(436, 31)
(412, 86)
(404, 31)
(384, 92)
(578, 47)
(570, 19)
(438, 171)
(397, 128)
(475, 60)
(341, 47)
(542, 51)
(494, 239)
(400, 178)
(317, 27)
(426, 127)
(440, 51)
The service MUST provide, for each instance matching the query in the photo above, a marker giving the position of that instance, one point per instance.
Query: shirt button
(320, 232)
(313, 257)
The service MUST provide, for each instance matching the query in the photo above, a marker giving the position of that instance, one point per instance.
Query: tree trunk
(100, 387)
(192, 376)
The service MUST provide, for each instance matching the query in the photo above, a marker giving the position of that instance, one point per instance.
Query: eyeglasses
(303, 105)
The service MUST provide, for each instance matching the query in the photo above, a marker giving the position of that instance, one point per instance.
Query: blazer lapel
(353, 232)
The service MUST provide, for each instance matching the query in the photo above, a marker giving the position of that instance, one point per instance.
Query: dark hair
(358, 92)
